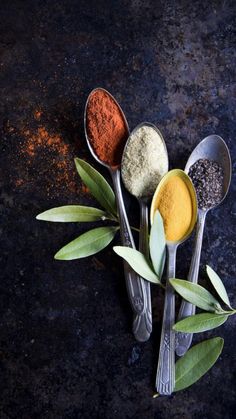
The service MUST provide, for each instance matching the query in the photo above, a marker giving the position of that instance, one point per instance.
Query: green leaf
(87, 244)
(97, 185)
(138, 262)
(200, 323)
(218, 285)
(196, 295)
(196, 362)
(158, 244)
(73, 213)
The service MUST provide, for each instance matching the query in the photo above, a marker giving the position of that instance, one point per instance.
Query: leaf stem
(230, 313)
(110, 217)
(135, 229)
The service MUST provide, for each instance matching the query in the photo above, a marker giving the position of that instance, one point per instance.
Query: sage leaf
(196, 294)
(196, 362)
(200, 323)
(97, 185)
(158, 244)
(87, 244)
(138, 262)
(218, 285)
(73, 213)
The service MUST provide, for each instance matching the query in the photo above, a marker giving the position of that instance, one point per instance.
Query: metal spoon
(165, 378)
(144, 218)
(213, 148)
(135, 284)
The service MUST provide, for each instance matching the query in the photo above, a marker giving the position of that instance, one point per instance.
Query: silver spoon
(144, 215)
(135, 284)
(165, 378)
(213, 148)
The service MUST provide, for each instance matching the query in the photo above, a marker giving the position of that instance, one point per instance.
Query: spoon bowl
(110, 168)
(213, 148)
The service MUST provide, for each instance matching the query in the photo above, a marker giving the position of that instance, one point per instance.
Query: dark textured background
(66, 345)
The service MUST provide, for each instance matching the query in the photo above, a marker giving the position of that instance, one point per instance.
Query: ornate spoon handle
(134, 283)
(144, 248)
(165, 378)
(184, 340)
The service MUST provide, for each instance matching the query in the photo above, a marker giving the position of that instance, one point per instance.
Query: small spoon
(213, 148)
(134, 284)
(165, 378)
(143, 204)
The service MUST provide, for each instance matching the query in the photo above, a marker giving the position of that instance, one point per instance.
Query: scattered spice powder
(41, 149)
(37, 114)
(84, 189)
(19, 182)
(106, 127)
(42, 139)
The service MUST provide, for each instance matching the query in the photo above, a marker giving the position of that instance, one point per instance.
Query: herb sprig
(201, 357)
(93, 241)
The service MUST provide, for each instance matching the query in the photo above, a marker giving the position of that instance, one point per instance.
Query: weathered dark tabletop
(66, 345)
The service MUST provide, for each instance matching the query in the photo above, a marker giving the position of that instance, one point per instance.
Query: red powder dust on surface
(46, 161)
(84, 189)
(37, 114)
(41, 139)
(19, 182)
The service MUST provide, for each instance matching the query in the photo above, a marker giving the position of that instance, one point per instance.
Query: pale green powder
(144, 162)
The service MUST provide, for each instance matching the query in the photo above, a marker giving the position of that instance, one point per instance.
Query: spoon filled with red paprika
(106, 131)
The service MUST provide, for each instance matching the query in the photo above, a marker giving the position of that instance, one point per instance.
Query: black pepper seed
(207, 177)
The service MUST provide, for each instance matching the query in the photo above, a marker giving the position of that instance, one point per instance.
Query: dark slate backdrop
(66, 345)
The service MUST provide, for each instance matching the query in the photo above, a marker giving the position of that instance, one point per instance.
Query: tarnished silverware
(213, 148)
(165, 378)
(135, 284)
(144, 221)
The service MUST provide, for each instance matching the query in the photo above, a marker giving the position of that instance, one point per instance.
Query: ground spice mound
(175, 205)
(144, 162)
(208, 179)
(106, 127)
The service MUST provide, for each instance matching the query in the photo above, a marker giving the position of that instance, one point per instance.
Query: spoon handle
(134, 283)
(165, 378)
(184, 340)
(144, 248)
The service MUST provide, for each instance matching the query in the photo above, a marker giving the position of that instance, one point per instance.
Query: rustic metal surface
(67, 350)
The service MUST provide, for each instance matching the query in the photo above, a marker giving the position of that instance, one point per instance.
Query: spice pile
(144, 162)
(106, 127)
(207, 177)
(175, 205)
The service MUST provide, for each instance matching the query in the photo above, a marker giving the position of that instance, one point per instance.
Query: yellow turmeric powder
(175, 205)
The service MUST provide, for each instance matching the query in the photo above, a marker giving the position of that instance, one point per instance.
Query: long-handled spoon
(134, 283)
(213, 148)
(143, 200)
(165, 378)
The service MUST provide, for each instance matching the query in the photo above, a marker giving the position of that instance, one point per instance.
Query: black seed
(207, 177)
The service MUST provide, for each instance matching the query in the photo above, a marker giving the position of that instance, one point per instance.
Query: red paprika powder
(106, 127)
